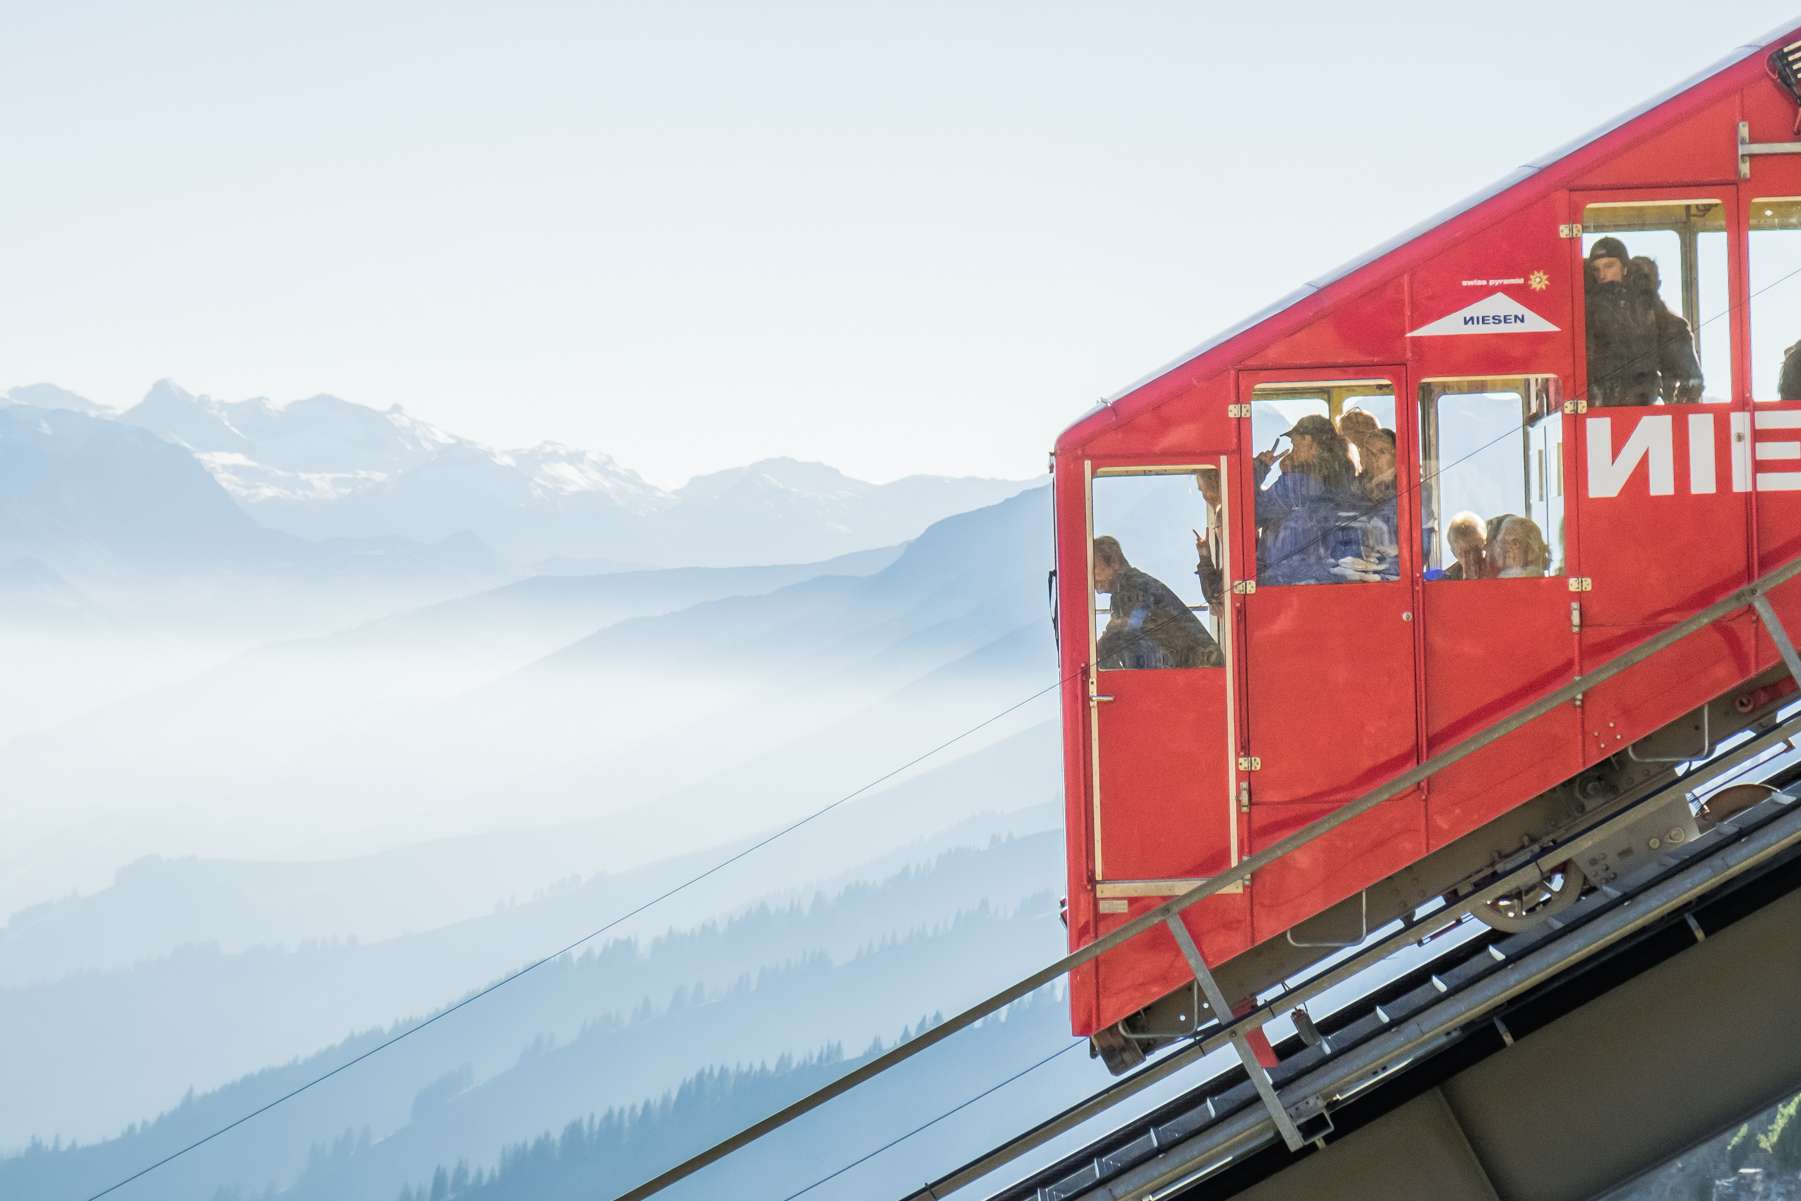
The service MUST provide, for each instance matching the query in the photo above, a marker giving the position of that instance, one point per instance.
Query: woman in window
(1298, 527)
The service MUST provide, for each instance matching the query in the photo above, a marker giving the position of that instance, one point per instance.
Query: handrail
(1751, 594)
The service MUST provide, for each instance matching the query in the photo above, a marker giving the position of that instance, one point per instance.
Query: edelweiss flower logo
(1538, 281)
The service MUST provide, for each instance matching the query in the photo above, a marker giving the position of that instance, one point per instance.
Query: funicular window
(1325, 482)
(1776, 298)
(1656, 297)
(1491, 478)
(1158, 554)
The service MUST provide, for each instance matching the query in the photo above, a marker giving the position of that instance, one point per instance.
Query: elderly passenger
(1519, 550)
(1468, 542)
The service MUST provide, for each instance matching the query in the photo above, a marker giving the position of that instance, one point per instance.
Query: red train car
(1581, 424)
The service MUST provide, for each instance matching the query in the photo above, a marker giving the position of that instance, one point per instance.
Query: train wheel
(1522, 910)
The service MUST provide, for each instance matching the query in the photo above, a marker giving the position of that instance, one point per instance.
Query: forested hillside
(606, 1027)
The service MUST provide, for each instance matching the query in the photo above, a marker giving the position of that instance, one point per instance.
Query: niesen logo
(1651, 446)
(1496, 314)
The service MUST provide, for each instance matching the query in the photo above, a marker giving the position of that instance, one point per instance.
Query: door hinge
(1575, 617)
(1575, 406)
(1581, 583)
(1569, 231)
(1238, 410)
(1243, 587)
(1250, 763)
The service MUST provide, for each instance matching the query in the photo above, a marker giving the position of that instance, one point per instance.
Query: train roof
(1543, 174)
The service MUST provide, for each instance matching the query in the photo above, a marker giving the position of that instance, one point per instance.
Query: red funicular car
(1411, 498)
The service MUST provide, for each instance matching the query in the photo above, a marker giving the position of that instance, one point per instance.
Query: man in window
(1209, 548)
(1147, 624)
(1639, 353)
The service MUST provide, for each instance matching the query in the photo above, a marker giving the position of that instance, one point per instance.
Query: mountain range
(326, 468)
(412, 731)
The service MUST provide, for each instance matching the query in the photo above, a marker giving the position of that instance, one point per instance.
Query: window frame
(1428, 425)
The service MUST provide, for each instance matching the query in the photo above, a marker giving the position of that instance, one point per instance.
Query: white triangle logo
(1497, 314)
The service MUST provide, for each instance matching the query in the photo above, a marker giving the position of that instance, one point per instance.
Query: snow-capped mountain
(558, 470)
(324, 467)
(320, 436)
(49, 396)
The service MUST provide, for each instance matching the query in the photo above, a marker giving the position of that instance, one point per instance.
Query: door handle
(1097, 698)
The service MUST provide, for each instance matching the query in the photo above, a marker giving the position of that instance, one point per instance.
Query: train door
(1662, 456)
(1326, 602)
(1161, 699)
(1496, 607)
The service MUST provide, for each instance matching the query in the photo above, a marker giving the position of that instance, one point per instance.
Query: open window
(1157, 565)
(1655, 300)
(1324, 475)
(1491, 478)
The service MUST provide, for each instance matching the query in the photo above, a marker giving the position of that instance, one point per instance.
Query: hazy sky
(895, 237)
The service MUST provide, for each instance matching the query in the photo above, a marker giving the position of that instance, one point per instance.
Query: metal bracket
(1778, 635)
(1238, 410)
(1575, 617)
(1250, 763)
(1575, 406)
(1747, 148)
(1581, 583)
(1216, 1001)
(1569, 231)
(1243, 587)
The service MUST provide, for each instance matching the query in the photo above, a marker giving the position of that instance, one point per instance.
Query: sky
(893, 237)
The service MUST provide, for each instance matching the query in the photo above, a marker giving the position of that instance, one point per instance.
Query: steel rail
(1433, 925)
(1360, 1066)
(1732, 603)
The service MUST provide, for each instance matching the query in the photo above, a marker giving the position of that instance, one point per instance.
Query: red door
(1663, 469)
(1162, 762)
(1327, 613)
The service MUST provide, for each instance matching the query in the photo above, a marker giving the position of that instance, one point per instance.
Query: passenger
(1148, 625)
(1468, 541)
(1639, 353)
(1679, 369)
(1299, 535)
(1355, 425)
(1491, 544)
(1208, 551)
(1518, 550)
(1381, 514)
(1788, 387)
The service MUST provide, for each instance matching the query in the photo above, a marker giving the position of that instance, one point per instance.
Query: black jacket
(1638, 351)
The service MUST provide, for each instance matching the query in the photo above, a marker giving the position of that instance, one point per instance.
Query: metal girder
(1650, 1068)
(1247, 1059)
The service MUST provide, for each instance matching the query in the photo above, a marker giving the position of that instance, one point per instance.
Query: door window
(1776, 298)
(1158, 564)
(1655, 301)
(1491, 478)
(1323, 471)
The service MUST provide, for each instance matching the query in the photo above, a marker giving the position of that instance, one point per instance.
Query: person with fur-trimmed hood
(1639, 353)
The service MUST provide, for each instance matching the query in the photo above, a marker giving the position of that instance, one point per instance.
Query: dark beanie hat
(1608, 248)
